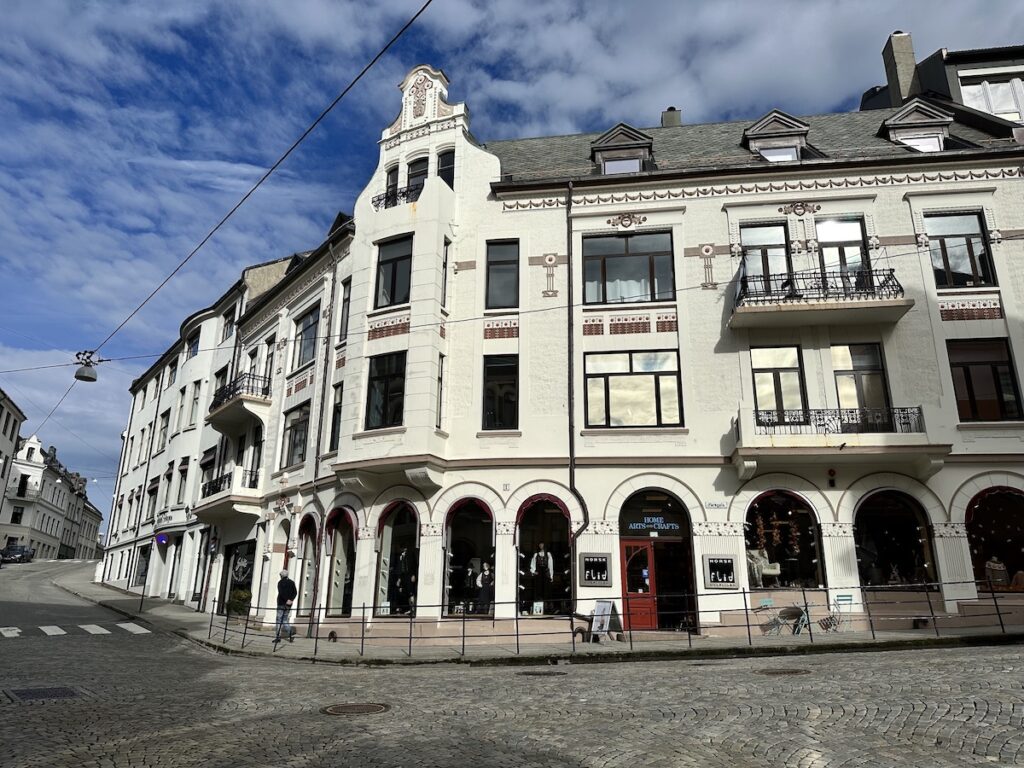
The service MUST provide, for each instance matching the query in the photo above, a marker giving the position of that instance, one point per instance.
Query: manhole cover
(783, 672)
(542, 673)
(355, 709)
(39, 694)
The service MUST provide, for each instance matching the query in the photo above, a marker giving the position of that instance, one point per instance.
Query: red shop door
(639, 596)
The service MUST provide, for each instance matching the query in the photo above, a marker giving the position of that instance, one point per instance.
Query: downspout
(572, 388)
(322, 528)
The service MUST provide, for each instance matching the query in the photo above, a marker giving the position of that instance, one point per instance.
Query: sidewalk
(236, 638)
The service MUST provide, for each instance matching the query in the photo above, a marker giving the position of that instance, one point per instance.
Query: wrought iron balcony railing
(818, 285)
(397, 196)
(244, 384)
(217, 485)
(838, 421)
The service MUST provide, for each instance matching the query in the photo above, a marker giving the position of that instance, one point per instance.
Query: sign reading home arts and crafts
(652, 522)
(719, 572)
(595, 570)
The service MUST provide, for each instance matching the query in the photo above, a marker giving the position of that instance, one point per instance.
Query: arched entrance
(469, 554)
(397, 561)
(307, 565)
(893, 540)
(995, 531)
(783, 542)
(545, 558)
(658, 588)
(341, 563)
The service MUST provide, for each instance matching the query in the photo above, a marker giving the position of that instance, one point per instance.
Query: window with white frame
(999, 96)
(780, 154)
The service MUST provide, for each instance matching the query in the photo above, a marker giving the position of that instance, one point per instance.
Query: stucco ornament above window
(919, 125)
(425, 107)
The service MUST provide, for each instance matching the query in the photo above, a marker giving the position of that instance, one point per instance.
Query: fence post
(517, 627)
(142, 597)
(410, 633)
(213, 612)
(746, 612)
(362, 632)
(931, 610)
(245, 630)
(227, 615)
(995, 602)
(807, 614)
(463, 629)
(629, 621)
(572, 629)
(316, 632)
(867, 606)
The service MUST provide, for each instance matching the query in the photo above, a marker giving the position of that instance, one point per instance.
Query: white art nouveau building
(678, 365)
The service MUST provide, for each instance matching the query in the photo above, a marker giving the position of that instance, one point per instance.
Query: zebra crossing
(52, 630)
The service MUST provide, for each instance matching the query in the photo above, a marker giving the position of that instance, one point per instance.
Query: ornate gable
(776, 124)
(918, 113)
(621, 136)
(424, 99)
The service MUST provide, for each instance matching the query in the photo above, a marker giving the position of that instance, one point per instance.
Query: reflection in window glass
(638, 389)
(959, 253)
(628, 268)
(778, 385)
(984, 380)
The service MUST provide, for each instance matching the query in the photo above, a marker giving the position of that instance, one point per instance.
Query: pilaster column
(719, 539)
(505, 567)
(429, 576)
(953, 563)
(839, 550)
(365, 572)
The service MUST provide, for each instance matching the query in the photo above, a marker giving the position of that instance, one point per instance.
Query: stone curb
(612, 657)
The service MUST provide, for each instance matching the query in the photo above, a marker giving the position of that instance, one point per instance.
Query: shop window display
(341, 564)
(545, 567)
(398, 561)
(893, 541)
(995, 532)
(469, 576)
(783, 543)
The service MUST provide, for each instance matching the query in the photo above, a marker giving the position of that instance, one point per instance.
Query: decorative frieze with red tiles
(501, 329)
(625, 324)
(297, 386)
(391, 326)
(666, 323)
(593, 326)
(442, 330)
(339, 362)
(971, 309)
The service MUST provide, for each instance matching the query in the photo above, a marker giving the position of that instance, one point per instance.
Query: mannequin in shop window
(485, 595)
(405, 581)
(996, 573)
(542, 566)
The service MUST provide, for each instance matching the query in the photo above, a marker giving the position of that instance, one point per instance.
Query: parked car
(16, 553)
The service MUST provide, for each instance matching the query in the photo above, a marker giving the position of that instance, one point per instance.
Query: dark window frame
(440, 389)
(651, 271)
(444, 272)
(993, 366)
(290, 445)
(395, 263)
(976, 265)
(761, 251)
(656, 375)
(305, 342)
(446, 170)
(780, 408)
(336, 404)
(346, 308)
(387, 381)
(842, 245)
(229, 318)
(495, 418)
(858, 373)
(417, 178)
(495, 260)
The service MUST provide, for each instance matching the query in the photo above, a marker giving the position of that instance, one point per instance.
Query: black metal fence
(765, 617)
(243, 384)
(838, 421)
(216, 485)
(397, 196)
(818, 285)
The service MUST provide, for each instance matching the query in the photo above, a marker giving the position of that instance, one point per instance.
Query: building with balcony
(666, 366)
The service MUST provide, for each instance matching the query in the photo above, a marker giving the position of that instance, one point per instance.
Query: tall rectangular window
(336, 417)
(778, 385)
(861, 388)
(228, 327)
(182, 482)
(633, 389)
(843, 253)
(385, 395)
(305, 336)
(268, 360)
(179, 419)
(391, 187)
(628, 268)
(165, 420)
(501, 392)
(17, 513)
(440, 389)
(502, 274)
(960, 255)
(193, 410)
(394, 265)
(446, 167)
(984, 380)
(172, 374)
(346, 306)
(192, 346)
(417, 173)
(766, 259)
(296, 434)
(444, 273)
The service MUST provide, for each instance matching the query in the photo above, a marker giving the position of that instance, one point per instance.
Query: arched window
(397, 562)
(783, 543)
(893, 541)
(545, 559)
(341, 564)
(446, 167)
(469, 574)
(995, 531)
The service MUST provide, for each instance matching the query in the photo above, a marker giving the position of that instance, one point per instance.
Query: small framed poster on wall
(720, 572)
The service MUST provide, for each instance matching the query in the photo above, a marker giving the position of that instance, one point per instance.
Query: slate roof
(837, 136)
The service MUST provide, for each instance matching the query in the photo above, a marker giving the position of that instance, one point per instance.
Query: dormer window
(623, 149)
(927, 143)
(919, 125)
(780, 154)
(777, 137)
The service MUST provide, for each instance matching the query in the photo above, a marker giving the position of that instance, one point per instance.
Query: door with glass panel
(778, 386)
(767, 269)
(845, 267)
(639, 594)
(861, 388)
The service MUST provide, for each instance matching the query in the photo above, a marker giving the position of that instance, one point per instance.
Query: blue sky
(130, 128)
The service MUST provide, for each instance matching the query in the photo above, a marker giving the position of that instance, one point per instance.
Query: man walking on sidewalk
(286, 593)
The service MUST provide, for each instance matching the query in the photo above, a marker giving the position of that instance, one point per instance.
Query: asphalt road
(152, 699)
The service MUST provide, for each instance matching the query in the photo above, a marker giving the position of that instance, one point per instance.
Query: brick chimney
(900, 67)
(671, 118)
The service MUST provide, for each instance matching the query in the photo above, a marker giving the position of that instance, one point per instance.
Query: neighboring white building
(664, 366)
(46, 506)
(11, 419)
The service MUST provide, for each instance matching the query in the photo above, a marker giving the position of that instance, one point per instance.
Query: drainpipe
(572, 388)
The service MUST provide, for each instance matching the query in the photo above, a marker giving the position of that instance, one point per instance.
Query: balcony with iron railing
(233, 493)
(247, 396)
(784, 439)
(391, 198)
(819, 297)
